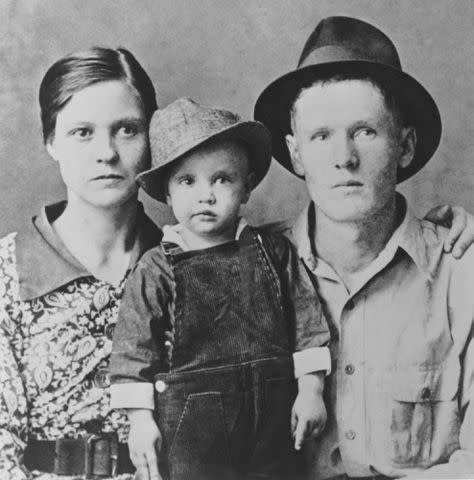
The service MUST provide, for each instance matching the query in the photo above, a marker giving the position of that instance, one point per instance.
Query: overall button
(350, 304)
(350, 435)
(160, 386)
(350, 369)
(425, 393)
(102, 378)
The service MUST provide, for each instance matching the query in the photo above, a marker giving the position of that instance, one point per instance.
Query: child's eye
(222, 179)
(186, 181)
(82, 133)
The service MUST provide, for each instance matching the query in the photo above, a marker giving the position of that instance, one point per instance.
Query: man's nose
(345, 153)
(105, 149)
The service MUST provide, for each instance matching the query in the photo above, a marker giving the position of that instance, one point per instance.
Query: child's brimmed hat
(343, 45)
(185, 125)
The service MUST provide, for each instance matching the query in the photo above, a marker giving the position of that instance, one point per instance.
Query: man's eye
(81, 133)
(366, 133)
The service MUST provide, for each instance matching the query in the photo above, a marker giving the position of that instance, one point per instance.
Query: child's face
(206, 189)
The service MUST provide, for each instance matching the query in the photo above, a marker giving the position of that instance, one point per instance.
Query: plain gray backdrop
(223, 53)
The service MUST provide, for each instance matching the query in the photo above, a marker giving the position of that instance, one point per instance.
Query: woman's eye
(81, 133)
(320, 136)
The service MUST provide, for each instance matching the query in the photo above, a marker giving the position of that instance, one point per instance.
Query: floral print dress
(54, 346)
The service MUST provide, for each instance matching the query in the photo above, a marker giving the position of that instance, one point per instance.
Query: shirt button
(350, 435)
(350, 305)
(425, 393)
(102, 378)
(109, 330)
(160, 386)
(349, 369)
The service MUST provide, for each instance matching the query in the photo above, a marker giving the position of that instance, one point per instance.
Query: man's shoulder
(434, 237)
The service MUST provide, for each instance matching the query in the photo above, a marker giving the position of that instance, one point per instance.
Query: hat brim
(273, 107)
(253, 134)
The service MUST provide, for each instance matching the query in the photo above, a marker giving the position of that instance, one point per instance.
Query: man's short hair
(392, 100)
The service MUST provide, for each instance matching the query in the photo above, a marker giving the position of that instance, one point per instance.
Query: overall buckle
(93, 455)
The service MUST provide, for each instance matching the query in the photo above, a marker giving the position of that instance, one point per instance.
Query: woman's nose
(105, 149)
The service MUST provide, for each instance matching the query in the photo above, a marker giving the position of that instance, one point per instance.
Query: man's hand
(461, 224)
(144, 442)
(308, 416)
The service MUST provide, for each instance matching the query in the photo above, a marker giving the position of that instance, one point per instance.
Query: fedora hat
(184, 125)
(343, 45)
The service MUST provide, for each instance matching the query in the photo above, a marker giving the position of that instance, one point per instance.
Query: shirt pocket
(424, 417)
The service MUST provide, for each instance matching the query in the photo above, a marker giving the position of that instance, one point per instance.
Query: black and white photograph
(236, 239)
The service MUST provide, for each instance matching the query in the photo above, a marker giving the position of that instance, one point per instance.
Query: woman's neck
(100, 239)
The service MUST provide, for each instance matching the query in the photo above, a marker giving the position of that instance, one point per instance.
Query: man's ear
(51, 149)
(292, 145)
(249, 186)
(408, 146)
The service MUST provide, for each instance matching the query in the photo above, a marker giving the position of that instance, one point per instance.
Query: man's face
(348, 146)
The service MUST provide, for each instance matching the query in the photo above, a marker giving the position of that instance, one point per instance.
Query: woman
(61, 277)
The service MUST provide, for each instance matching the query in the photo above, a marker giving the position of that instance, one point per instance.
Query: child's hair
(168, 169)
(79, 70)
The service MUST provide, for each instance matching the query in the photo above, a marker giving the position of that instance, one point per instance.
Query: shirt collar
(45, 264)
(408, 237)
(172, 234)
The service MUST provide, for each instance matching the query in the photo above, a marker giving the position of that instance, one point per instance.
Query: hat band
(338, 53)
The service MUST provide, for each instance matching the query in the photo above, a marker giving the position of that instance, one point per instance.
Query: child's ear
(249, 185)
(168, 199)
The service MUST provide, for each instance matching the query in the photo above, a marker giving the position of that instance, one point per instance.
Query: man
(353, 125)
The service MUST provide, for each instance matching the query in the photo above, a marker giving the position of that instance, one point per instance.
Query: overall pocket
(422, 409)
(199, 448)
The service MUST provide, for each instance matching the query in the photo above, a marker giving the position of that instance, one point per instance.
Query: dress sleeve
(303, 307)
(13, 405)
(142, 333)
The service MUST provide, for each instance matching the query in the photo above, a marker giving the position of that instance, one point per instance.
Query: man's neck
(349, 247)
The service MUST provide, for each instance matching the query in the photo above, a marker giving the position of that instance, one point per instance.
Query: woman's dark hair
(79, 70)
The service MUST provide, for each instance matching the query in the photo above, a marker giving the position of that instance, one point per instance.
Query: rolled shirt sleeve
(143, 327)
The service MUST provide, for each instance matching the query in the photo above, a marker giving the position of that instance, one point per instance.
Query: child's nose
(206, 194)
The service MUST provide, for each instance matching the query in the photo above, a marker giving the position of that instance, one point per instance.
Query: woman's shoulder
(8, 270)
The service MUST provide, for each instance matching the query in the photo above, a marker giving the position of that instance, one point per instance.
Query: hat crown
(182, 124)
(348, 39)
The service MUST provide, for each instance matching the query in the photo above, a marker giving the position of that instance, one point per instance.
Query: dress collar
(45, 264)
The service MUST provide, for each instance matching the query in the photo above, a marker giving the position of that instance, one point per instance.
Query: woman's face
(101, 144)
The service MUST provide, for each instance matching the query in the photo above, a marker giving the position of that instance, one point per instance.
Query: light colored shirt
(400, 396)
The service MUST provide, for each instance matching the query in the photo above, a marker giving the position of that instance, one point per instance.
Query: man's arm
(461, 225)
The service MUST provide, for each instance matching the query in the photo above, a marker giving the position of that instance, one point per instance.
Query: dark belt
(372, 477)
(92, 456)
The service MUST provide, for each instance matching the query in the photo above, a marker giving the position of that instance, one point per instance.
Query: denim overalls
(224, 407)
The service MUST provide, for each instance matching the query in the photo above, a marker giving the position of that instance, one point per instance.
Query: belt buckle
(91, 440)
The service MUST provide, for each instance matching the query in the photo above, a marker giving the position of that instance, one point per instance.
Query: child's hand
(308, 416)
(144, 442)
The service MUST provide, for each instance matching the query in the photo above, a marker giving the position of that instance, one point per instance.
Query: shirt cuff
(311, 360)
(132, 395)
